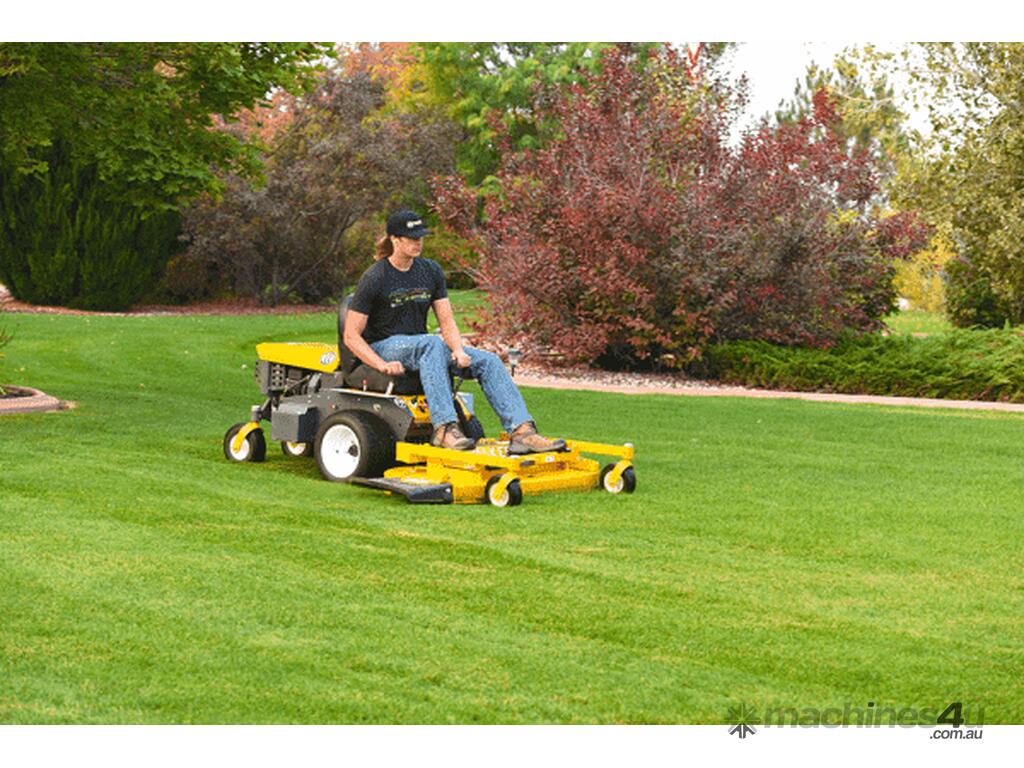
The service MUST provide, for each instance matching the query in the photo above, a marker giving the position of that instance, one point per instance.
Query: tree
(872, 118)
(337, 162)
(140, 112)
(637, 234)
(869, 116)
(483, 85)
(101, 143)
(969, 175)
(985, 170)
(65, 240)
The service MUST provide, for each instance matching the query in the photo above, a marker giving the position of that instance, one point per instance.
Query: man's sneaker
(526, 440)
(450, 436)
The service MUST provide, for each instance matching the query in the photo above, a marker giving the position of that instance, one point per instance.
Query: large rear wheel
(353, 444)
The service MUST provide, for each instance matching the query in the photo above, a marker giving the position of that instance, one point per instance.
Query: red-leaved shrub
(637, 232)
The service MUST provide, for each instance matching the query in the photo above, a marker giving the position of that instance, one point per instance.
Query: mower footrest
(418, 493)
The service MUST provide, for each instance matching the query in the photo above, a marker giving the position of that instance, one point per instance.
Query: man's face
(408, 247)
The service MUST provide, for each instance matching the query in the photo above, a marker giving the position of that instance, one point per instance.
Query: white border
(461, 20)
(496, 746)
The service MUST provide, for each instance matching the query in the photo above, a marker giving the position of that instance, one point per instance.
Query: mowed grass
(467, 303)
(775, 553)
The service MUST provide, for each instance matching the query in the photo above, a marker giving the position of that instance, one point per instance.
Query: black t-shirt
(397, 302)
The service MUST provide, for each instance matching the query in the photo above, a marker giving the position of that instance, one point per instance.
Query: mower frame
(381, 439)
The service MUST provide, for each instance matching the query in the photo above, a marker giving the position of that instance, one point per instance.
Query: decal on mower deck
(327, 358)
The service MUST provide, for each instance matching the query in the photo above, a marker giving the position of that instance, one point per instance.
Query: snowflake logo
(743, 719)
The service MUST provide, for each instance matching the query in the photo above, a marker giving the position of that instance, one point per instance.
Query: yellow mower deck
(489, 474)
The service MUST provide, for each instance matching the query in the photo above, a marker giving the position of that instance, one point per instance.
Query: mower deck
(489, 474)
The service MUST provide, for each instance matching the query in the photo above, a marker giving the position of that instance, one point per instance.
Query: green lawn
(775, 552)
(466, 303)
(918, 321)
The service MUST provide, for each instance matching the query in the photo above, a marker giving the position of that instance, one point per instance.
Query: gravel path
(529, 375)
(654, 384)
(238, 307)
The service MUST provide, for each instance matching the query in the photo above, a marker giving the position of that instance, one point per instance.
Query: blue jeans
(430, 356)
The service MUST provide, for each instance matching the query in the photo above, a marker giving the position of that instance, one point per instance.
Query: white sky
(773, 68)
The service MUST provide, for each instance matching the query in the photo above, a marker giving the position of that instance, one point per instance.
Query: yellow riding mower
(368, 428)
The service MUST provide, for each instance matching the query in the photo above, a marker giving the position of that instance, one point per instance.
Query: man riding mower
(387, 389)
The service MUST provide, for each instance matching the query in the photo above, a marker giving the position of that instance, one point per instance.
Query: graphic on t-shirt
(404, 296)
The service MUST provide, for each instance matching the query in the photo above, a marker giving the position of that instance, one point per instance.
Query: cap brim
(416, 234)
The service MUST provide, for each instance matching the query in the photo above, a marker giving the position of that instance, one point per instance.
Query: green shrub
(636, 234)
(65, 241)
(970, 300)
(337, 163)
(455, 254)
(975, 299)
(959, 365)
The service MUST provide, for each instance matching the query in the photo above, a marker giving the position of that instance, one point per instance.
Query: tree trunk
(274, 299)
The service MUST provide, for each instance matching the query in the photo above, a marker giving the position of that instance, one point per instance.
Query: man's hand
(461, 359)
(393, 369)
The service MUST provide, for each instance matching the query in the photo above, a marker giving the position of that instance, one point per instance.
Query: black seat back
(348, 361)
(359, 375)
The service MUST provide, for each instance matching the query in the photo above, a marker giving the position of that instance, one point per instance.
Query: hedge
(958, 365)
(64, 240)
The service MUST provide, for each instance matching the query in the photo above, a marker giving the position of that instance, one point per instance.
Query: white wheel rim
(242, 453)
(339, 451)
(617, 488)
(295, 449)
(499, 502)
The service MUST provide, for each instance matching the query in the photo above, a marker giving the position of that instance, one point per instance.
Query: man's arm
(355, 324)
(450, 331)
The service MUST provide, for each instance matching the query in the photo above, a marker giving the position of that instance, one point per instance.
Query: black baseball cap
(406, 223)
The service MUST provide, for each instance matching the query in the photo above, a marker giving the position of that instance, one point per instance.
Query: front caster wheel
(296, 449)
(625, 484)
(253, 447)
(510, 497)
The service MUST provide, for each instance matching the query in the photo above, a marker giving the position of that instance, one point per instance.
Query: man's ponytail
(384, 248)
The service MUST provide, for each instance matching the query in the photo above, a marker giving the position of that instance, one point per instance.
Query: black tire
(512, 497)
(296, 450)
(626, 484)
(254, 448)
(353, 444)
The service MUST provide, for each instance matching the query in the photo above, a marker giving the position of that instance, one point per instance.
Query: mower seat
(372, 380)
(359, 375)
